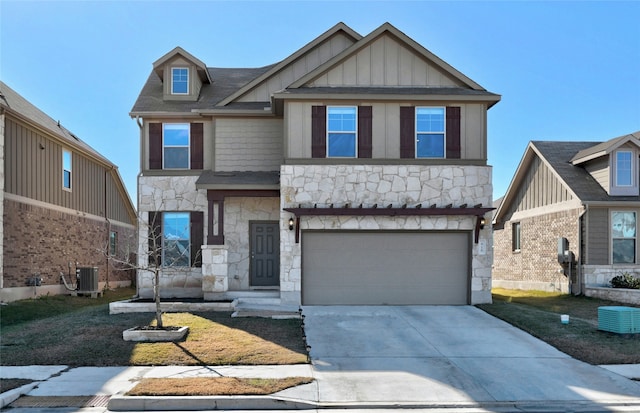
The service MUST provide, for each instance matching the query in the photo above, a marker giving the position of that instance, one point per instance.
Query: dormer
(614, 164)
(182, 75)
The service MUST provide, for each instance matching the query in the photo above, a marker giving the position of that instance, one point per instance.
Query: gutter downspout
(580, 272)
(140, 124)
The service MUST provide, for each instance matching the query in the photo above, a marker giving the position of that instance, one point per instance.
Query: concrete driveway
(446, 355)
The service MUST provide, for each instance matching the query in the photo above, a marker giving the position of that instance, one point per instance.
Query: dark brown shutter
(365, 131)
(407, 132)
(197, 238)
(453, 132)
(318, 131)
(155, 238)
(196, 146)
(155, 146)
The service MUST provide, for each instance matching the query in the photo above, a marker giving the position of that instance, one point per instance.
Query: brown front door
(264, 266)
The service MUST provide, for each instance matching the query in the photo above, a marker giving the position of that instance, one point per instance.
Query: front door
(264, 267)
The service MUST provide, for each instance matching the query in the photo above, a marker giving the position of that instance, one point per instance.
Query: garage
(385, 268)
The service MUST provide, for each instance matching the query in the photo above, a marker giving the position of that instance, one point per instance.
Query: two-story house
(584, 192)
(352, 172)
(63, 206)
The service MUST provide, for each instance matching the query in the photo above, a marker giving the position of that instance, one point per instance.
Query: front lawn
(538, 313)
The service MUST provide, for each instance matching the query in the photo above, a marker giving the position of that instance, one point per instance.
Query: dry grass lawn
(538, 313)
(214, 386)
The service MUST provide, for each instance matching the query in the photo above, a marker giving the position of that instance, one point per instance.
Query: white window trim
(611, 237)
(624, 190)
(188, 80)
(330, 131)
(444, 132)
(70, 170)
(188, 146)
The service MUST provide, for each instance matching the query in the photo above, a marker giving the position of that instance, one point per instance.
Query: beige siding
(400, 67)
(195, 84)
(386, 129)
(248, 144)
(598, 237)
(539, 188)
(34, 170)
(303, 65)
(599, 169)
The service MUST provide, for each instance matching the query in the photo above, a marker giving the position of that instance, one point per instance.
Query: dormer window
(179, 81)
(624, 173)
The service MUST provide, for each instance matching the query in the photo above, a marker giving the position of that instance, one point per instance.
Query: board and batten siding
(33, 169)
(385, 129)
(248, 144)
(386, 62)
(539, 188)
(597, 230)
(303, 65)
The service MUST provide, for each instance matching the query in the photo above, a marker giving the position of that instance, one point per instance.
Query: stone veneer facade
(383, 184)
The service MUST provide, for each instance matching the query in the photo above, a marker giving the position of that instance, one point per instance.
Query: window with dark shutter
(407, 132)
(365, 131)
(155, 146)
(453, 132)
(155, 238)
(318, 131)
(197, 238)
(196, 146)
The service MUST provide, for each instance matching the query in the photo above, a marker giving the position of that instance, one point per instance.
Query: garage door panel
(359, 268)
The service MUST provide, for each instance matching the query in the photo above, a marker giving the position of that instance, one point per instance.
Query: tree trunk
(156, 295)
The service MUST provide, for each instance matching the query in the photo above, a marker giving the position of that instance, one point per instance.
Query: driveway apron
(445, 354)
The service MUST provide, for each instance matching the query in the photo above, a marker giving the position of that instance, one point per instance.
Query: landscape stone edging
(623, 295)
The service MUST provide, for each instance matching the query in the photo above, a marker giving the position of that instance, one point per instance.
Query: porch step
(266, 307)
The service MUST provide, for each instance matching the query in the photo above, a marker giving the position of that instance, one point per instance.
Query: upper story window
(624, 168)
(66, 169)
(623, 237)
(175, 143)
(179, 81)
(430, 132)
(342, 134)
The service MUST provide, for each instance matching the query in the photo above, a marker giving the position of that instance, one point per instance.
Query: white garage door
(385, 268)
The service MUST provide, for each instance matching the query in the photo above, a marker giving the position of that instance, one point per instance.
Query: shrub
(625, 280)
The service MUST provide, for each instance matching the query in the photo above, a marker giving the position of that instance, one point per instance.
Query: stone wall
(168, 193)
(43, 242)
(535, 266)
(384, 184)
(621, 295)
(601, 275)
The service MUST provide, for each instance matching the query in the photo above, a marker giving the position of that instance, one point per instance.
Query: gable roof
(340, 27)
(605, 148)
(16, 105)
(158, 65)
(228, 85)
(368, 39)
(558, 155)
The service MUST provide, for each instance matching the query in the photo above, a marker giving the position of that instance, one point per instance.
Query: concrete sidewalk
(104, 388)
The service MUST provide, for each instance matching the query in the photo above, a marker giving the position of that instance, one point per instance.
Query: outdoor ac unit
(619, 319)
(87, 278)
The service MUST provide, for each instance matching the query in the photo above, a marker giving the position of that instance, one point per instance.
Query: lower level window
(623, 237)
(515, 237)
(176, 250)
(113, 237)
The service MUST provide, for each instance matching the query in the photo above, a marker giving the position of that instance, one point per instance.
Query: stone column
(215, 271)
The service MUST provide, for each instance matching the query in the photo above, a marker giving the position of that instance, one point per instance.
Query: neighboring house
(586, 192)
(352, 172)
(63, 205)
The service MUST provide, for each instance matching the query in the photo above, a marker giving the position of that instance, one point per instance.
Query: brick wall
(39, 240)
(536, 265)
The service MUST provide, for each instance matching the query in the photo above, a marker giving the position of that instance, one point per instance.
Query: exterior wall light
(291, 224)
(482, 223)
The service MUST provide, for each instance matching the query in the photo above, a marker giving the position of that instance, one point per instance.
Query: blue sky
(565, 70)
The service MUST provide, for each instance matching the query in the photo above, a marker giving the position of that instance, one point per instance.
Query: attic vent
(87, 278)
(618, 319)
